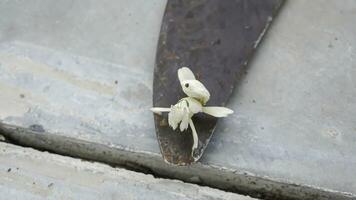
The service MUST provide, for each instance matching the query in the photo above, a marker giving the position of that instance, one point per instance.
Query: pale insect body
(192, 87)
(196, 89)
(181, 113)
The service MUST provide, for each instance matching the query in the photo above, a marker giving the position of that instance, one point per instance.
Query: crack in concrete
(145, 162)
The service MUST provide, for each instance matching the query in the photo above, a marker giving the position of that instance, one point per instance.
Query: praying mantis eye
(186, 85)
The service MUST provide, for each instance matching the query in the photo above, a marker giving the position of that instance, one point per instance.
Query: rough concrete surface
(296, 107)
(84, 70)
(26, 173)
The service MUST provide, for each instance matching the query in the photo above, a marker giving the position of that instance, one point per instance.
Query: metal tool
(215, 39)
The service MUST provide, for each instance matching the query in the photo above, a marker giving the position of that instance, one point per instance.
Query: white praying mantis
(181, 113)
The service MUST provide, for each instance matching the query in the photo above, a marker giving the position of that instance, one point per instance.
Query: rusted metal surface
(216, 40)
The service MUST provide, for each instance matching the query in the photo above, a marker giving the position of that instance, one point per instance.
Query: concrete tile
(84, 70)
(26, 173)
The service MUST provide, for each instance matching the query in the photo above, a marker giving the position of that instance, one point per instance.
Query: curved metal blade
(215, 39)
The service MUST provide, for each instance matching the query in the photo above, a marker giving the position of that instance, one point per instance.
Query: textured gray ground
(29, 174)
(296, 107)
(84, 70)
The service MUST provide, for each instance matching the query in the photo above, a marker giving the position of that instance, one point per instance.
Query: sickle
(215, 39)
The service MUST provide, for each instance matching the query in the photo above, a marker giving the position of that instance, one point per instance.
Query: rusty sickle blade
(215, 39)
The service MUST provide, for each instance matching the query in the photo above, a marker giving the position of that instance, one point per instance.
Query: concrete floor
(85, 71)
(32, 175)
(295, 110)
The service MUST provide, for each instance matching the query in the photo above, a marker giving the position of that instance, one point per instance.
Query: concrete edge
(26, 173)
(241, 182)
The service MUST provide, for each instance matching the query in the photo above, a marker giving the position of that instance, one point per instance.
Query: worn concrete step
(79, 75)
(26, 173)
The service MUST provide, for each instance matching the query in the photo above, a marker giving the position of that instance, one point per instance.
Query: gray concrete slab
(84, 70)
(295, 110)
(26, 173)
